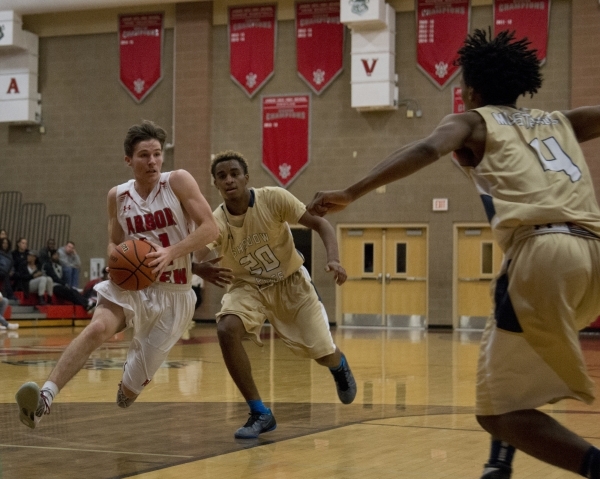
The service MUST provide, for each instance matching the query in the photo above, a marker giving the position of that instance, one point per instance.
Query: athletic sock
(50, 391)
(590, 466)
(339, 366)
(501, 454)
(257, 406)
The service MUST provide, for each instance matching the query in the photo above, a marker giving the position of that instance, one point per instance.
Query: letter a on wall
(252, 32)
(285, 136)
(140, 52)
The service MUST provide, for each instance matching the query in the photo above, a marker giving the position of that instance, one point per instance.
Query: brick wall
(193, 87)
(86, 113)
(346, 144)
(585, 70)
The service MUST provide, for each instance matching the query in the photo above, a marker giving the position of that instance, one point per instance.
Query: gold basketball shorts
(548, 289)
(292, 307)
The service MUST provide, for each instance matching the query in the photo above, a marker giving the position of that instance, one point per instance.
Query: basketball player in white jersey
(538, 195)
(269, 282)
(168, 210)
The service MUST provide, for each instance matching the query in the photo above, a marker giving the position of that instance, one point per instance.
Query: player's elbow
(213, 230)
(427, 151)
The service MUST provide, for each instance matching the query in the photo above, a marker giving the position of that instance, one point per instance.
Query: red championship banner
(285, 136)
(319, 43)
(442, 26)
(140, 52)
(252, 46)
(528, 18)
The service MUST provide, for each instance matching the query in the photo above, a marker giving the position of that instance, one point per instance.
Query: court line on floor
(97, 450)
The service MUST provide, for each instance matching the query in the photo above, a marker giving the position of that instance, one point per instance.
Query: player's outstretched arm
(198, 210)
(327, 234)
(451, 134)
(585, 121)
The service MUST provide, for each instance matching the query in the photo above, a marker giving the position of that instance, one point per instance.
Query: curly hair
(499, 69)
(145, 131)
(226, 156)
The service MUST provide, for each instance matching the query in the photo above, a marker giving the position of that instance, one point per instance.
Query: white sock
(52, 389)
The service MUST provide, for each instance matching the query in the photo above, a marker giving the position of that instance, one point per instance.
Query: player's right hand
(208, 271)
(329, 202)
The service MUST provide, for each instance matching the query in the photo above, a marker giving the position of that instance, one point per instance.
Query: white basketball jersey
(160, 219)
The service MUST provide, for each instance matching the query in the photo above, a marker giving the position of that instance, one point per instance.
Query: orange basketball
(128, 265)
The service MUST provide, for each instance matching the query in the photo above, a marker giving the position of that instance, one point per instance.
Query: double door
(478, 259)
(387, 276)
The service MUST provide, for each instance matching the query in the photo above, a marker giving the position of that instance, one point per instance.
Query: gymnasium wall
(86, 113)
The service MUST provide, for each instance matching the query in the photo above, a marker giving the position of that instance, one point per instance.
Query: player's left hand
(162, 258)
(209, 271)
(339, 273)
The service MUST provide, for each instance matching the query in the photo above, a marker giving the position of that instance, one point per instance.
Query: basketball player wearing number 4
(268, 282)
(538, 195)
(161, 208)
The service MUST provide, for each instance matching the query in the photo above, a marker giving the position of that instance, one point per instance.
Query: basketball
(128, 265)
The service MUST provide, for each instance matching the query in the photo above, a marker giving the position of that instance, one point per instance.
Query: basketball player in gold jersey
(269, 282)
(538, 195)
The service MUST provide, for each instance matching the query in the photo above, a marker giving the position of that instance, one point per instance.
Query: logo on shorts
(146, 382)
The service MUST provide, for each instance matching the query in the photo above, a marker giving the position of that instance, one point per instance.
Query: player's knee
(230, 328)
(488, 423)
(98, 331)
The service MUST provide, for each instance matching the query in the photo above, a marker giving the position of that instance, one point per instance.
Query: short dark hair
(499, 69)
(146, 130)
(226, 156)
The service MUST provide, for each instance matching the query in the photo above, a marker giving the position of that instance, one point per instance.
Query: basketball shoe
(496, 472)
(33, 403)
(256, 424)
(122, 400)
(344, 382)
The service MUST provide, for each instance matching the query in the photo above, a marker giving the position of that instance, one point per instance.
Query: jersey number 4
(560, 161)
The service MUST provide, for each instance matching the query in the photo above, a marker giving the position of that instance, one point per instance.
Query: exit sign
(440, 204)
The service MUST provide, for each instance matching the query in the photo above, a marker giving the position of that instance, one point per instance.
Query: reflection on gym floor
(412, 418)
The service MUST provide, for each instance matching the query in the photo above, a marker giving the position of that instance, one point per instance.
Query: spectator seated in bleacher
(88, 290)
(69, 259)
(6, 269)
(29, 277)
(19, 256)
(53, 269)
(46, 252)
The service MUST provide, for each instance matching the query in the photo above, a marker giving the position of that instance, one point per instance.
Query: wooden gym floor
(412, 418)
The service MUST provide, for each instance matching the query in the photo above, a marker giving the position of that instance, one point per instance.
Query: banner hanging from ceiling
(319, 43)
(285, 136)
(252, 32)
(528, 19)
(140, 53)
(442, 26)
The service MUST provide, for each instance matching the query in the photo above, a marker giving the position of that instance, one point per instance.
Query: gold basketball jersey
(533, 172)
(260, 248)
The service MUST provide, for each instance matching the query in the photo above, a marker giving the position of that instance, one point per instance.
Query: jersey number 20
(262, 257)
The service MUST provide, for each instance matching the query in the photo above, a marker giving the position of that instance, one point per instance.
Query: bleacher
(29, 220)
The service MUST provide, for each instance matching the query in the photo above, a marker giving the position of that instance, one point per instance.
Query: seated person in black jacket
(6, 268)
(62, 290)
(29, 277)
